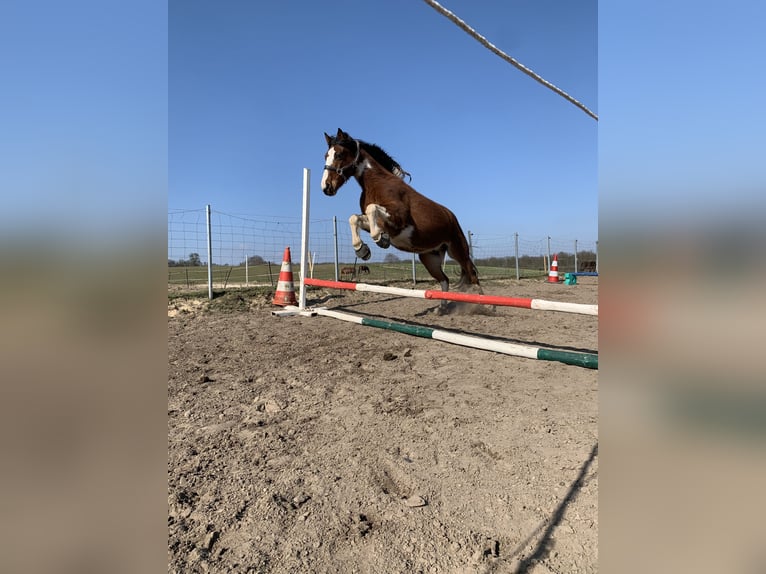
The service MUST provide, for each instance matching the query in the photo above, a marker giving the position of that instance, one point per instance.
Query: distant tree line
(535, 261)
(525, 261)
(193, 261)
(254, 260)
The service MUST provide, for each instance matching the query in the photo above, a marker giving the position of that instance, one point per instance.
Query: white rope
(487, 44)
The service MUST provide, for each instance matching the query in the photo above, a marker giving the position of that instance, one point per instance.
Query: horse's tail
(469, 276)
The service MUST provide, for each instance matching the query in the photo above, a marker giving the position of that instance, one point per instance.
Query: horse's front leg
(374, 214)
(360, 247)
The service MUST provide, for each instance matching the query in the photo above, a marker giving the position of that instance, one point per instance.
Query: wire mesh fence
(248, 251)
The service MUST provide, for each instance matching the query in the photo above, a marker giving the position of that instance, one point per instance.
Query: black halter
(354, 164)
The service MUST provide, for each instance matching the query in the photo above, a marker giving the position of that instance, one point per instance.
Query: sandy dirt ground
(307, 444)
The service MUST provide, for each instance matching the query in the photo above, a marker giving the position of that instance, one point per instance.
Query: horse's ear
(328, 139)
(342, 135)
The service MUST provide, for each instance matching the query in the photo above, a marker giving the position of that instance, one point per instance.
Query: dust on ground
(307, 444)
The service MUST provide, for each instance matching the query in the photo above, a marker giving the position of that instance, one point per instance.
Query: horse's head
(341, 161)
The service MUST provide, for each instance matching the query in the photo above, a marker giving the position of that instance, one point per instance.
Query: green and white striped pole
(587, 360)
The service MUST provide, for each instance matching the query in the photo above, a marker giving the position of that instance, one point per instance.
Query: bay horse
(347, 272)
(393, 212)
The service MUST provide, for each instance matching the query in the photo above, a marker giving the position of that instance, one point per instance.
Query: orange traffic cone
(553, 274)
(285, 294)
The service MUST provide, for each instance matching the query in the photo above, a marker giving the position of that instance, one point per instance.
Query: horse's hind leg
(433, 261)
(468, 274)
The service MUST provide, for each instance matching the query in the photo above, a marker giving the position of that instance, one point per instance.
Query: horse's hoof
(363, 252)
(384, 241)
(445, 308)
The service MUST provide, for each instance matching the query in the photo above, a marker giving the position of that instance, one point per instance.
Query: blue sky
(83, 115)
(253, 86)
(682, 133)
(112, 112)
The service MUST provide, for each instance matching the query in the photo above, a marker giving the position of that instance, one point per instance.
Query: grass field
(228, 276)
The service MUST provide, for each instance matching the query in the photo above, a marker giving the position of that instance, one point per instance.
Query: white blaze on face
(328, 162)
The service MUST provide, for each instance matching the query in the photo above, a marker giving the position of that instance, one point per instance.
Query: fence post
(335, 237)
(516, 250)
(304, 236)
(209, 255)
(470, 244)
(575, 269)
(547, 265)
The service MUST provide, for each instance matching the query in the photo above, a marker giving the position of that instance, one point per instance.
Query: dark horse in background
(393, 212)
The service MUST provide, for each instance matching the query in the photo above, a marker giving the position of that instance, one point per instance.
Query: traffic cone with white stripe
(285, 294)
(553, 274)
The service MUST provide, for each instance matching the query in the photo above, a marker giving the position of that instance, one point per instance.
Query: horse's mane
(379, 154)
(384, 159)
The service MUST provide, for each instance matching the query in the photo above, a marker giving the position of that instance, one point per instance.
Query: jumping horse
(393, 212)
